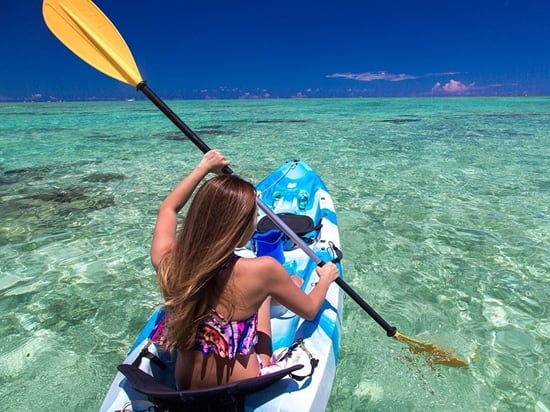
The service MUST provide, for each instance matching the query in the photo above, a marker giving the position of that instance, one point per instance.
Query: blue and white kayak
(299, 196)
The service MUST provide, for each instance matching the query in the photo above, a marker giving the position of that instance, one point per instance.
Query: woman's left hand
(214, 161)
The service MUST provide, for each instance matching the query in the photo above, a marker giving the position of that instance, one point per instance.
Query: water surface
(443, 206)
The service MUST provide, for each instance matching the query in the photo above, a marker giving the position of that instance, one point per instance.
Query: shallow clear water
(443, 206)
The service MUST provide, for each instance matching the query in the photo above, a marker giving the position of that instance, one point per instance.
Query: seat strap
(145, 353)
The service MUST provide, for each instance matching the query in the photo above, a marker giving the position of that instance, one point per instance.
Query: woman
(218, 303)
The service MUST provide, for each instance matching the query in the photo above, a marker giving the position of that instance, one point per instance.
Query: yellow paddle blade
(87, 32)
(436, 354)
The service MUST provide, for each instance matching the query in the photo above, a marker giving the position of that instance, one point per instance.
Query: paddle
(86, 31)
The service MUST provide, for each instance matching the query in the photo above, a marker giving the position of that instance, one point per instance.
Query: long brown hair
(220, 218)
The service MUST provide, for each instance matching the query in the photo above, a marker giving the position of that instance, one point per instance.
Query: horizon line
(248, 97)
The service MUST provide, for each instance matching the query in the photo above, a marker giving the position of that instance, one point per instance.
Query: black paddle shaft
(180, 124)
(390, 330)
(191, 135)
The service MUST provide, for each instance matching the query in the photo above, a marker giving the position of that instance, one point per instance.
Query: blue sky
(285, 48)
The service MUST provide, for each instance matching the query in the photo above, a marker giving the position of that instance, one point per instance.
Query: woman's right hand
(213, 161)
(328, 271)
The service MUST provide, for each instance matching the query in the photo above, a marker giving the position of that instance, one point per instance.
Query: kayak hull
(296, 189)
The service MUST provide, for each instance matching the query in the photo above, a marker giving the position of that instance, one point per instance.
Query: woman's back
(226, 339)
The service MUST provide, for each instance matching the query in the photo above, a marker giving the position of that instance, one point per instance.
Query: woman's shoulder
(257, 263)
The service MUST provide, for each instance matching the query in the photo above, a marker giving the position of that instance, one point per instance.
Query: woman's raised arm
(164, 236)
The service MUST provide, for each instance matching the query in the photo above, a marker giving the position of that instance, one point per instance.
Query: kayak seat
(228, 397)
(302, 225)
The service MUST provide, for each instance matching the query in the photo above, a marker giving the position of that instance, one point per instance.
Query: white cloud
(453, 87)
(370, 76)
(385, 76)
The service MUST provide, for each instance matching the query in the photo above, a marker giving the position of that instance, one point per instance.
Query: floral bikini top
(226, 339)
(223, 338)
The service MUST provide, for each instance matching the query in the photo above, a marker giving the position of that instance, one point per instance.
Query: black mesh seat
(300, 224)
(228, 397)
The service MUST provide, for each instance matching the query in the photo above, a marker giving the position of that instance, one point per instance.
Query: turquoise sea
(444, 209)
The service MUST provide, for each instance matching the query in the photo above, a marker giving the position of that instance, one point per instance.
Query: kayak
(303, 382)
